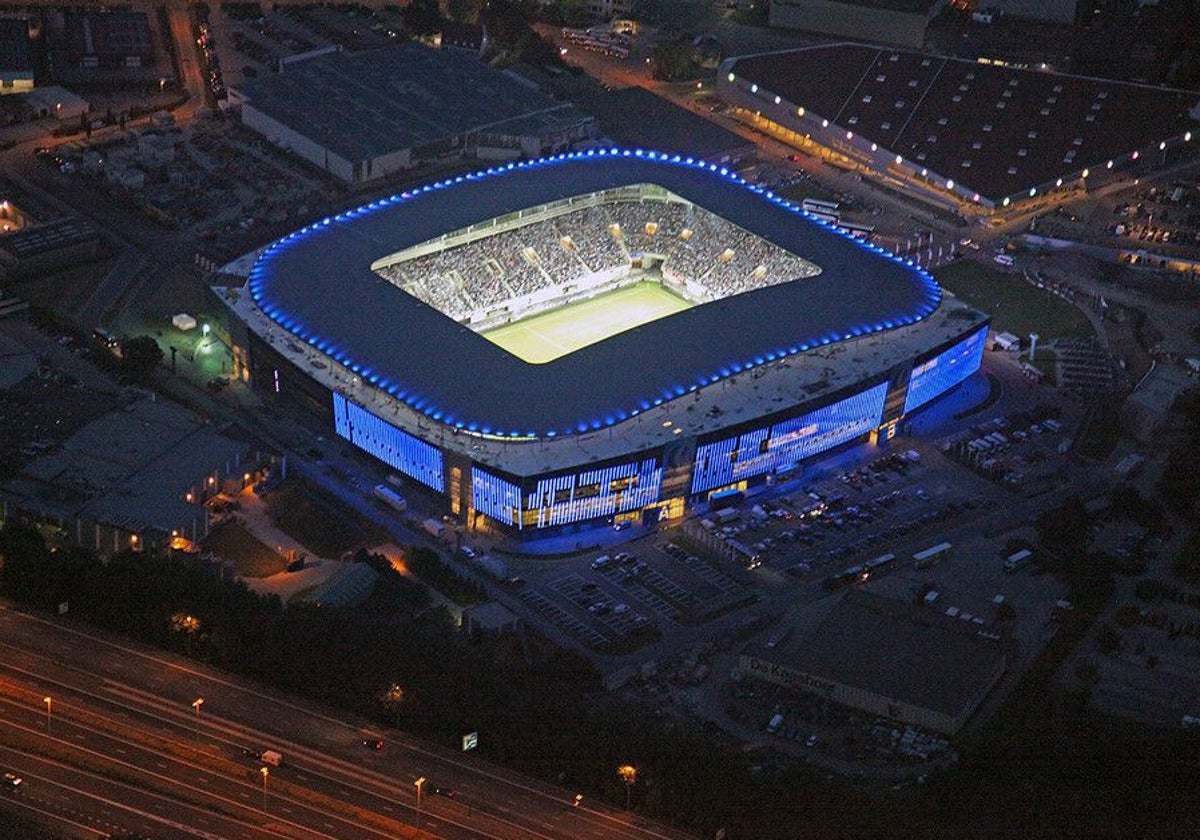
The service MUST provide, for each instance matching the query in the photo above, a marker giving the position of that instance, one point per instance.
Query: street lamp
(48, 703)
(418, 784)
(265, 772)
(628, 774)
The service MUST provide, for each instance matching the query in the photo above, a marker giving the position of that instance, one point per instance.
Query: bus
(931, 555)
(106, 339)
(816, 205)
(1018, 560)
(880, 564)
(390, 498)
(726, 498)
(857, 230)
(847, 577)
(827, 218)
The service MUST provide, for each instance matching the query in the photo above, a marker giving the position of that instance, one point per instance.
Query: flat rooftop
(895, 649)
(49, 236)
(637, 118)
(128, 467)
(365, 105)
(318, 285)
(1001, 130)
(14, 46)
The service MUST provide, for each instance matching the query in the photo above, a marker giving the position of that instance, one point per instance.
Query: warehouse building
(893, 659)
(134, 477)
(365, 116)
(963, 133)
(899, 22)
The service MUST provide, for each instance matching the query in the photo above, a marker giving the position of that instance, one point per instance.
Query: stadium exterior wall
(645, 484)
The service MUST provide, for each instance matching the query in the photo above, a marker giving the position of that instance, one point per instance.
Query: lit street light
(48, 703)
(628, 774)
(418, 784)
(265, 772)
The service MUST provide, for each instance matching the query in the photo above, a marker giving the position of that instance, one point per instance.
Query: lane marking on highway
(615, 821)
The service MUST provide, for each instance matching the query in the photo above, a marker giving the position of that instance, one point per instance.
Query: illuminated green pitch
(550, 335)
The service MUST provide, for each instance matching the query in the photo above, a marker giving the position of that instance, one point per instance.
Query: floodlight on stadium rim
(317, 284)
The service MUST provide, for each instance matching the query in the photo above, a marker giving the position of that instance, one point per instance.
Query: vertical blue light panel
(398, 449)
(941, 373)
(788, 442)
(492, 495)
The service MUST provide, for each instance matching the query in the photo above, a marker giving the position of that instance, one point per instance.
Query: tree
(673, 60)
(1066, 530)
(466, 11)
(421, 17)
(141, 355)
(695, 16)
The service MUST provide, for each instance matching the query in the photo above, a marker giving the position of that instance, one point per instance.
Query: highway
(120, 746)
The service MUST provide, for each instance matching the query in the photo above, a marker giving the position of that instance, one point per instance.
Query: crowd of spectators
(693, 243)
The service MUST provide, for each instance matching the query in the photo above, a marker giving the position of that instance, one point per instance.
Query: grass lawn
(250, 556)
(1015, 306)
(317, 521)
(556, 333)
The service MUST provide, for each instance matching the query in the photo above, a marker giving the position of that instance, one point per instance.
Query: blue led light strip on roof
(609, 416)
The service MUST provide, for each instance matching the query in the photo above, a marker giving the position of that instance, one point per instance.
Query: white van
(272, 757)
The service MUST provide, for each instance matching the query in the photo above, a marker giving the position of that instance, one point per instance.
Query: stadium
(598, 337)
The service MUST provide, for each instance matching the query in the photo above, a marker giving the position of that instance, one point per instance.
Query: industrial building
(914, 664)
(365, 116)
(134, 477)
(899, 22)
(963, 133)
(38, 248)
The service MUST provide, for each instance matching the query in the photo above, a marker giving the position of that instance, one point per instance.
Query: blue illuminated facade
(569, 498)
(496, 497)
(782, 445)
(406, 454)
(945, 370)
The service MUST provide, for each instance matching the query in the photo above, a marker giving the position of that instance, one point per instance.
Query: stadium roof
(900, 651)
(365, 105)
(1000, 129)
(318, 284)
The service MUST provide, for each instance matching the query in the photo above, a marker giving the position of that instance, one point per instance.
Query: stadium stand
(466, 277)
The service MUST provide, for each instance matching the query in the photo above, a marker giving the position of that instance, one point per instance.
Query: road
(121, 745)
